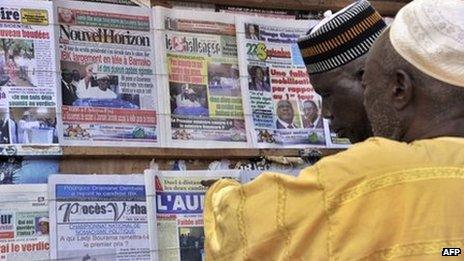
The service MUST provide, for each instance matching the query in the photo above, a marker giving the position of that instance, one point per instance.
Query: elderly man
(43, 226)
(335, 52)
(253, 32)
(285, 115)
(103, 90)
(397, 198)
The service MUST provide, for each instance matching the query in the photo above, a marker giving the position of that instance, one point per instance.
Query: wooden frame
(175, 153)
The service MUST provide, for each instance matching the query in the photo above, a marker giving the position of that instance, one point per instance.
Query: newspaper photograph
(24, 223)
(98, 217)
(285, 110)
(177, 198)
(28, 78)
(107, 75)
(202, 91)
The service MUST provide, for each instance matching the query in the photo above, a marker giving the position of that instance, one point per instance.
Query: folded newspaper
(28, 79)
(98, 217)
(24, 226)
(176, 231)
(107, 55)
(201, 87)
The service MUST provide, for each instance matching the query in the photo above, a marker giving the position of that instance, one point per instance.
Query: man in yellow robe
(396, 196)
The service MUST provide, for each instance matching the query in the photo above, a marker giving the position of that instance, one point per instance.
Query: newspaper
(274, 13)
(177, 199)
(285, 110)
(28, 78)
(107, 74)
(333, 141)
(251, 170)
(117, 2)
(184, 5)
(201, 82)
(144, 3)
(24, 225)
(100, 217)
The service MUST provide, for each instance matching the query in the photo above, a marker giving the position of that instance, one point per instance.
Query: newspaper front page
(285, 110)
(24, 224)
(107, 74)
(100, 217)
(177, 198)
(202, 95)
(28, 79)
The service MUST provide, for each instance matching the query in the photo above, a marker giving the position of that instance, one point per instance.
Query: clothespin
(310, 155)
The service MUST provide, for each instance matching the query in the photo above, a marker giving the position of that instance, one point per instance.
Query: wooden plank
(103, 165)
(108, 165)
(174, 153)
(385, 7)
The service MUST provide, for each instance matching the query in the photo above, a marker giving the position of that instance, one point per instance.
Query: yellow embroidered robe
(380, 199)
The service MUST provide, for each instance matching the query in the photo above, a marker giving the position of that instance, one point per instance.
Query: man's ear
(402, 90)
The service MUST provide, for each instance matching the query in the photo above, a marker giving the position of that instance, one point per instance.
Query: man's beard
(385, 121)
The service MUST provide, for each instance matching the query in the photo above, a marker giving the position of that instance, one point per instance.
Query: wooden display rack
(175, 153)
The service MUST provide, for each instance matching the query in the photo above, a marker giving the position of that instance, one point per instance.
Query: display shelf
(176, 153)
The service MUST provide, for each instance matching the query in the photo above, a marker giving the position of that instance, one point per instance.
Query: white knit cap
(429, 34)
